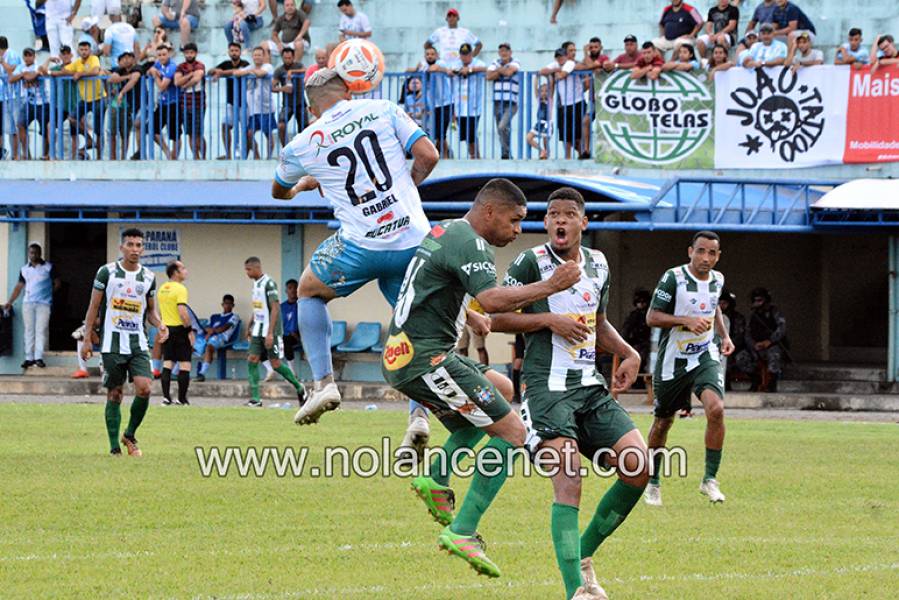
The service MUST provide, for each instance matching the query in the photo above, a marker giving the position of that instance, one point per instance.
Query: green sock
(656, 465)
(113, 422)
(483, 489)
(712, 462)
(565, 541)
(614, 507)
(285, 372)
(253, 373)
(138, 410)
(463, 438)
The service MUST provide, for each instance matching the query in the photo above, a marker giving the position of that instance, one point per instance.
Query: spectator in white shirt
(570, 105)
(59, 16)
(39, 280)
(853, 52)
(468, 94)
(803, 55)
(113, 8)
(503, 72)
(260, 105)
(450, 38)
(353, 23)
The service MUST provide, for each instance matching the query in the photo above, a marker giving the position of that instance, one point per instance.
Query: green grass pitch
(811, 513)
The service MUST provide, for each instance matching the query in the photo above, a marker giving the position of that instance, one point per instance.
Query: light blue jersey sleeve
(290, 169)
(407, 131)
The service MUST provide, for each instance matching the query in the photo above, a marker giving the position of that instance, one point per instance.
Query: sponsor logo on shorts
(391, 227)
(398, 352)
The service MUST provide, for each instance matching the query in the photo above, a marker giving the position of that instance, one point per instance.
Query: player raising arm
(567, 406)
(355, 155)
(454, 264)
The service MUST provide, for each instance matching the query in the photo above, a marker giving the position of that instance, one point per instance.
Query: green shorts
(118, 368)
(674, 395)
(458, 393)
(589, 415)
(257, 348)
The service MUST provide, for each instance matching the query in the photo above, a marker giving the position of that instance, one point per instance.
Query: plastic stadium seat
(379, 347)
(365, 336)
(237, 343)
(338, 333)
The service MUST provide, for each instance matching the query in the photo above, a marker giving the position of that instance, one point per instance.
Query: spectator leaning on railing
(720, 60)
(468, 96)
(649, 64)
(66, 94)
(260, 105)
(503, 72)
(286, 81)
(91, 95)
(36, 105)
(767, 52)
(594, 58)
(291, 30)
(235, 104)
(720, 27)
(802, 54)
(685, 60)
(124, 104)
(9, 97)
(884, 52)
(853, 52)
(569, 94)
(183, 15)
(414, 100)
(449, 39)
(438, 97)
(630, 56)
(353, 23)
(59, 17)
(542, 129)
(680, 23)
(166, 114)
(746, 42)
(190, 79)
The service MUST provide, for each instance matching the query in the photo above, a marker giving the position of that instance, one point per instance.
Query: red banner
(872, 118)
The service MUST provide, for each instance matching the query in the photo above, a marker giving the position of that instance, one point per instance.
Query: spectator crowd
(119, 98)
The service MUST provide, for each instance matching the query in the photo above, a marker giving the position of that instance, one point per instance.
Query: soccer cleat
(131, 445)
(653, 495)
(418, 433)
(80, 374)
(323, 400)
(116, 452)
(469, 548)
(591, 588)
(252, 403)
(709, 488)
(439, 499)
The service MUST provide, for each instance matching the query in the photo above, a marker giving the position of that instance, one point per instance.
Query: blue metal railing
(525, 116)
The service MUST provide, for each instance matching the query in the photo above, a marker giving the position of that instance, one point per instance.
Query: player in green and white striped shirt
(124, 296)
(685, 306)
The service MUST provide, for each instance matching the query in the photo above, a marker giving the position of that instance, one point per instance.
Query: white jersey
(356, 151)
(126, 297)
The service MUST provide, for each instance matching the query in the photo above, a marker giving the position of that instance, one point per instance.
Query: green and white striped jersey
(124, 306)
(265, 290)
(550, 361)
(680, 294)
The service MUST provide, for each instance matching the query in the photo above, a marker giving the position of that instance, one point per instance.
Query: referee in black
(172, 299)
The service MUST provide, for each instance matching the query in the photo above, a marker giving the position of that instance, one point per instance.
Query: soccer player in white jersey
(685, 306)
(124, 295)
(355, 155)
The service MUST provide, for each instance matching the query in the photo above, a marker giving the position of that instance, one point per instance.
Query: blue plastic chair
(366, 335)
(338, 333)
(233, 343)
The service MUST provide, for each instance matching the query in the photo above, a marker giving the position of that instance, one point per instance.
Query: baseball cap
(766, 27)
(88, 22)
(452, 11)
(505, 45)
(465, 48)
(630, 38)
(752, 32)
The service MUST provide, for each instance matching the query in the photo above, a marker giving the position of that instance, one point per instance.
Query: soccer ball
(359, 63)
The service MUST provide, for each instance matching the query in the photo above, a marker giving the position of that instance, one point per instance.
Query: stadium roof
(622, 203)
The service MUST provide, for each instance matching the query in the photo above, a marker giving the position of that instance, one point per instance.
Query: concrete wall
(214, 256)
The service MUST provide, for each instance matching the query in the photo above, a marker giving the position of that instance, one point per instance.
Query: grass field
(812, 512)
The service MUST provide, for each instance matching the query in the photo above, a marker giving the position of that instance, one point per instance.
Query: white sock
(82, 365)
(268, 367)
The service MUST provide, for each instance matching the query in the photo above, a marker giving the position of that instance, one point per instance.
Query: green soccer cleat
(439, 499)
(469, 548)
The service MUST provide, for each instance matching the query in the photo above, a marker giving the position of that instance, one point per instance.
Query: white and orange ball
(359, 63)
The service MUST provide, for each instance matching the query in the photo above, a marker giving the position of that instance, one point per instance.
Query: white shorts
(706, 40)
(106, 7)
(664, 44)
(273, 48)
